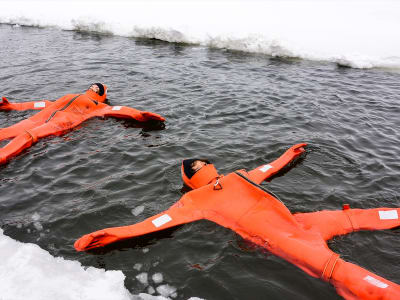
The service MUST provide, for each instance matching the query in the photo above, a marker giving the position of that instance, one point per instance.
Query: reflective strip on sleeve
(265, 168)
(388, 214)
(39, 104)
(161, 220)
(116, 107)
(375, 282)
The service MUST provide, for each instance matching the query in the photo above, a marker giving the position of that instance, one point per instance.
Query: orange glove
(152, 116)
(99, 239)
(4, 104)
(298, 149)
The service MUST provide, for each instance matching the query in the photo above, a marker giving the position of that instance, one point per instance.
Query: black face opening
(187, 166)
(100, 86)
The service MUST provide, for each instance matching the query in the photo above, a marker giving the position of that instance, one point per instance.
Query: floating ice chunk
(166, 290)
(143, 278)
(151, 290)
(157, 278)
(45, 277)
(29, 272)
(137, 210)
(138, 266)
(35, 217)
(38, 226)
(145, 250)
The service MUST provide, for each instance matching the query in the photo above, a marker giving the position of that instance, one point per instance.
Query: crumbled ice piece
(28, 230)
(137, 210)
(174, 295)
(145, 250)
(151, 290)
(155, 264)
(143, 278)
(195, 298)
(38, 226)
(157, 278)
(35, 217)
(166, 290)
(19, 226)
(138, 266)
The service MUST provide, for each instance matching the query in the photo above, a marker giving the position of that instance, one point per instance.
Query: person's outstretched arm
(36, 105)
(263, 172)
(125, 112)
(176, 215)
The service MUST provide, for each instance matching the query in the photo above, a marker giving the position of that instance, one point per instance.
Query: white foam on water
(355, 33)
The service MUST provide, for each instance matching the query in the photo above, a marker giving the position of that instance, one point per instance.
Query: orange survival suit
(56, 118)
(238, 202)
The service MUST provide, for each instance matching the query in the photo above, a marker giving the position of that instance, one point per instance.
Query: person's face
(197, 165)
(94, 88)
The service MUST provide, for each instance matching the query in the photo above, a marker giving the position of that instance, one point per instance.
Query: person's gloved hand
(98, 239)
(298, 149)
(4, 104)
(152, 116)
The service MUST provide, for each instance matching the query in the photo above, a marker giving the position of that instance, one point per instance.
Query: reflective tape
(39, 104)
(161, 220)
(116, 107)
(375, 282)
(388, 214)
(265, 168)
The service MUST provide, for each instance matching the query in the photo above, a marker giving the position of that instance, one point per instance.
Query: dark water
(240, 110)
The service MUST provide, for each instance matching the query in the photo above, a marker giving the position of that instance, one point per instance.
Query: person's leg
(354, 282)
(339, 222)
(26, 139)
(16, 129)
(15, 146)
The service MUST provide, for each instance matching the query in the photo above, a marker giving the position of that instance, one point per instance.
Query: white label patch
(116, 107)
(375, 282)
(39, 104)
(161, 220)
(265, 168)
(388, 215)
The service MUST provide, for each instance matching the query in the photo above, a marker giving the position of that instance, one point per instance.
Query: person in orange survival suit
(238, 202)
(56, 118)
